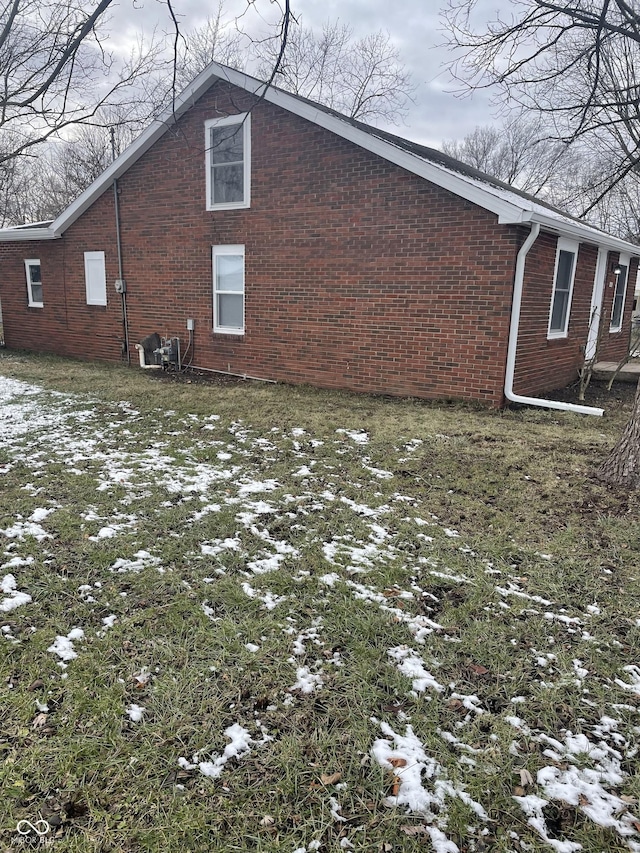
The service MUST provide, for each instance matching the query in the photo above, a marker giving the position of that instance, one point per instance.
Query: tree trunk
(622, 466)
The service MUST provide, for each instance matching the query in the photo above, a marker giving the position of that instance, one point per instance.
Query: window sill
(558, 337)
(223, 334)
(244, 205)
(38, 305)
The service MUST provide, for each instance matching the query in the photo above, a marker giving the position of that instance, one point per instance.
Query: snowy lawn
(249, 617)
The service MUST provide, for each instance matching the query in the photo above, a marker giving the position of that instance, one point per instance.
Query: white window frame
(95, 280)
(564, 245)
(216, 252)
(243, 119)
(32, 262)
(623, 261)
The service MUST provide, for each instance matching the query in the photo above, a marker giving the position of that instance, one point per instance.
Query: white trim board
(510, 207)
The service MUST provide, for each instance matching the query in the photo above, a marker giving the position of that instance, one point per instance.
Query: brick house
(302, 246)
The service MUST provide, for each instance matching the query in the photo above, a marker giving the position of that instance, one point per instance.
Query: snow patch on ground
(239, 746)
(141, 560)
(14, 598)
(411, 664)
(306, 681)
(421, 782)
(63, 646)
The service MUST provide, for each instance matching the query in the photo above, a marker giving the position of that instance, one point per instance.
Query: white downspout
(509, 393)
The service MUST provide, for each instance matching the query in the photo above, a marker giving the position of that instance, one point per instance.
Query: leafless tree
(515, 152)
(577, 64)
(38, 185)
(622, 465)
(55, 69)
(520, 152)
(363, 78)
(214, 40)
(67, 168)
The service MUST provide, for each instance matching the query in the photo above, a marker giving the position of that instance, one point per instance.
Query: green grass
(220, 539)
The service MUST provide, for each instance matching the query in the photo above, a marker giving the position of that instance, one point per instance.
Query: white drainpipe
(509, 393)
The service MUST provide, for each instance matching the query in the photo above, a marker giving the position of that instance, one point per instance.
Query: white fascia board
(134, 152)
(437, 175)
(17, 235)
(444, 178)
(583, 233)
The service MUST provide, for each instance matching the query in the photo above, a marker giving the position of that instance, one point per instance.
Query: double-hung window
(564, 274)
(617, 308)
(95, 278)
(34, 283)
(228, 289)
(228, 162)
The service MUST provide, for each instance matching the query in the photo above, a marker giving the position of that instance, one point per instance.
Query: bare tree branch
(56, 76)
(576, 64)
(362, 78)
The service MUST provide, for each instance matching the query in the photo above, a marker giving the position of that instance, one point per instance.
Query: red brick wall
(613, 346)
(358, 274)
(65, 324)
(544, 364)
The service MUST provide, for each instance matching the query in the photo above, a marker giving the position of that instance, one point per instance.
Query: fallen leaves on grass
(331, 778)
(397, 781)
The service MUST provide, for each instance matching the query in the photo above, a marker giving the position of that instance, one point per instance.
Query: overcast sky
(414, 26)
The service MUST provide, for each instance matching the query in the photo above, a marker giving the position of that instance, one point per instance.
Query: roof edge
(507, 204)
(22, 233)
(569, 229)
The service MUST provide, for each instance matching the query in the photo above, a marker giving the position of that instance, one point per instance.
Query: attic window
(564, 274)
(228, 162)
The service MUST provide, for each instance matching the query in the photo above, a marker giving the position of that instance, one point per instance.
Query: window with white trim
(228, 289)
(34, 283)
(563, 277)
(617, 307)
(228, 162)
(95, 277)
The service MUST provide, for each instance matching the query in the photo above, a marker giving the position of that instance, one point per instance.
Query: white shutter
(95, 278)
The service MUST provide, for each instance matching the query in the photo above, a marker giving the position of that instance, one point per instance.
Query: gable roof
(511, 206)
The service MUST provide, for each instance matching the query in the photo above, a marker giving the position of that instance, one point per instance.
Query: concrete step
(604, 370)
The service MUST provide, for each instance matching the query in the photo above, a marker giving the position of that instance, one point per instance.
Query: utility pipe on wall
(123, 286)
(123, 293)
(509, 393)
(229, 373)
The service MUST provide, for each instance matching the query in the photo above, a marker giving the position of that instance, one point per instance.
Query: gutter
(581, 231)
(516, 305)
